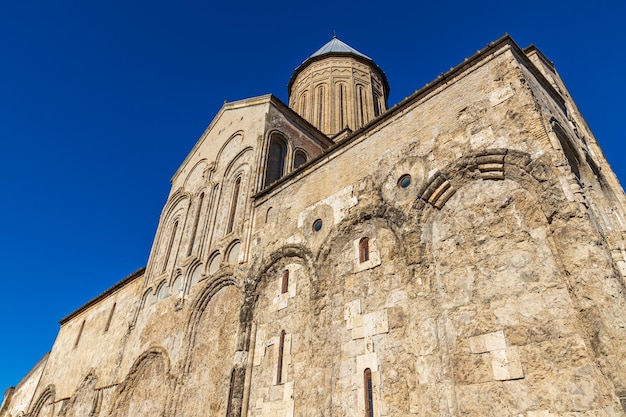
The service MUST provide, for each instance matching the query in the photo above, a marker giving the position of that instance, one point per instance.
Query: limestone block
(240, 358)
(497, 96)
(369, 324)
(487, 342)
(277, 392)
(369, 360)
(424, 370)
(381, 322)
(352, 309)
(506, 364)
(358, 332)
(541, 413)
(341, 201)
(288, 391)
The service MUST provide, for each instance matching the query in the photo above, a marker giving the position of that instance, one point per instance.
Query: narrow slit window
(376, 105)
(285, 283)
(364, 250)
(233, 206)
(320, 107)
(342, 118)
(369, 397)
(361, 106)
(169, 246)
(195, 224)
(80, 333)
(279, 367)
(106, 328)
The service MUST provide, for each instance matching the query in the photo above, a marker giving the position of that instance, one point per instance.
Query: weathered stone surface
(491, 284)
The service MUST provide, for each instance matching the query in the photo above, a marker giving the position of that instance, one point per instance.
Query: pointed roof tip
(337, 46)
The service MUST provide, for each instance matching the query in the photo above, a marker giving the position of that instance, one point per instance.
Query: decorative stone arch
(153, 359)
(391, 218)
(45, 398)
(86, 401)
(233, 252)
(162, 290)
(495, 164)
(260, 327)
(145, 297)
(194, 345)
(566, 223)
(197, 174)
(198, 306)
(194, 269)
(239, 134)
(179, 196)
(268, 262)
(176, 209)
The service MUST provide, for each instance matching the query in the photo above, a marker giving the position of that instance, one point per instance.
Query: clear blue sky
(100, 101)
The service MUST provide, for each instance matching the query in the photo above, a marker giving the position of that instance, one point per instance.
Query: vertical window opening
(279, 367)
(320, 107)
(195, 224)
(369, 397)
(275, 160)
(169, 246)
(364, 249)
(233, 206)
(376, 106)
(230, 393)
(361, 106)
(285, 284)
(80, 333)
(106, 328)
(342, 120)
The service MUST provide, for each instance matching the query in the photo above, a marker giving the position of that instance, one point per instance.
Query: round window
(317, 225)
(404, 181)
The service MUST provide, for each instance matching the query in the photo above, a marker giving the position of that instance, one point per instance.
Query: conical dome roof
(337, 46)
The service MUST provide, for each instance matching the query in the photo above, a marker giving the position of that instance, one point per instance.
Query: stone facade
(461, 254)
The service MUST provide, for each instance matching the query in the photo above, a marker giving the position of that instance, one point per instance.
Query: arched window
(361, 98)
(279, 367)
(299, 159)
(320, 107)
(233, 205)
(285, 284)
(376, 105)
(369, 397)
(342, 107)
(364, 249)
(195, 224)
(169, 246)
(275, 159)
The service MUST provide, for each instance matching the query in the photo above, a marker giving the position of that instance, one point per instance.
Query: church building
(461, 253)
